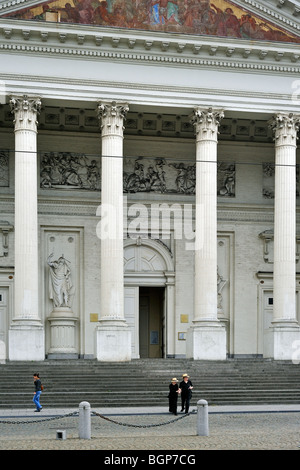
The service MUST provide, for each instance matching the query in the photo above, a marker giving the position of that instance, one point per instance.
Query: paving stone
(236, 428)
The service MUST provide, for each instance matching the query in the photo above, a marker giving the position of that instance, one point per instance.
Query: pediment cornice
(90, 42)
(284, 13)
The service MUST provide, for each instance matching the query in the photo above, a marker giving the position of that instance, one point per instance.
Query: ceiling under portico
(216, 18)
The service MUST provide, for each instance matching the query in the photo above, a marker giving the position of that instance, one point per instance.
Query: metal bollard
(84, 420)
(202, 418)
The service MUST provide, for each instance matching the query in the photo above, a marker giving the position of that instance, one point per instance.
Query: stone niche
(62, 253)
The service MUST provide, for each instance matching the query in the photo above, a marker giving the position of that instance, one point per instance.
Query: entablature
(140, 46)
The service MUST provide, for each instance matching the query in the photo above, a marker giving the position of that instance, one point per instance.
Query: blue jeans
(36, 400)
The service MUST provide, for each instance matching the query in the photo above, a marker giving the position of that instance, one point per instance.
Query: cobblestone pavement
(154, 429)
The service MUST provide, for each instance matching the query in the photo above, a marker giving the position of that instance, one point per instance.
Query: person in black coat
(185, 388)
(173, 396)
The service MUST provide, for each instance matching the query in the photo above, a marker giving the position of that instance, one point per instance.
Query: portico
(111, 128)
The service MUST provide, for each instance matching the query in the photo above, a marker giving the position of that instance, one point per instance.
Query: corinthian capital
(25, 110)
(111, 116)
(206, 123)
(285, 127)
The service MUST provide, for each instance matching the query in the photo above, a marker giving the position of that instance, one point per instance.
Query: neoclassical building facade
(149, 179)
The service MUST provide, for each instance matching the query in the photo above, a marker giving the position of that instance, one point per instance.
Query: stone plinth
(62, 333)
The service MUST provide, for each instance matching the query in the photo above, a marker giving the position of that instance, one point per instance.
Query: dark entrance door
(151, 321)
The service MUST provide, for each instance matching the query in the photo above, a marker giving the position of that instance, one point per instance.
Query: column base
(113, 341)
(26, 343)
(207, 341)
(285, 341)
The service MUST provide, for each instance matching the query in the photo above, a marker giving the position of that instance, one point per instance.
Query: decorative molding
(145, 124)
(75, 206)
(131, 45)
(5, 228)
(123, 56)
(268, 246)
(275, 12)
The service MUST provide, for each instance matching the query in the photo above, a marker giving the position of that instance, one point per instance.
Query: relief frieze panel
(73, 171)
(268, 189)
(67, 170)
(4, 168)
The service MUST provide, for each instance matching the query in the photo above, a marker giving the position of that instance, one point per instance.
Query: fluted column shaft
(26, 333)
(112, 277)
(206, 338)
(25, 112)
(206, 126)
(284, 290)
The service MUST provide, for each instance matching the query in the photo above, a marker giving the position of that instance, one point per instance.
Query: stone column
(113, 338)
(285, 325)
(26, 333)
(206, 338)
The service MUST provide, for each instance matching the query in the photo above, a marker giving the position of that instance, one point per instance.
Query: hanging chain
(143, 425)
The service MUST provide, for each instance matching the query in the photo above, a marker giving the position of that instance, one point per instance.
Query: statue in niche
(60, 281)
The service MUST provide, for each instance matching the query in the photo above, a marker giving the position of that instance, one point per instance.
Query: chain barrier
(142, 425)
(74, 413)
(94, 413)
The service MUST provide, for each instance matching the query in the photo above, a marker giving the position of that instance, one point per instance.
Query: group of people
(184, 390)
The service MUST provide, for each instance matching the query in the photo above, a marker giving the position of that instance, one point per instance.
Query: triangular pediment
(220, 18)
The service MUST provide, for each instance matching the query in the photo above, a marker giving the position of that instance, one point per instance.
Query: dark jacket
(185, 390)
(37, 385)
(173, 391)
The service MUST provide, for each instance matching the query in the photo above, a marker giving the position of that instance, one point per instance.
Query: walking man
(37, 392)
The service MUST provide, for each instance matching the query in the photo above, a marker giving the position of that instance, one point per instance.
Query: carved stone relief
(268, 189)
(268, 180)
(67, 170)
(4, 168)
(226, 179)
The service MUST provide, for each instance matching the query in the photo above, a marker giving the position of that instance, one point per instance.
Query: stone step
(146, 382)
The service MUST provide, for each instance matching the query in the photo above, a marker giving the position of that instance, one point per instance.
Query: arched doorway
(149, 297)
